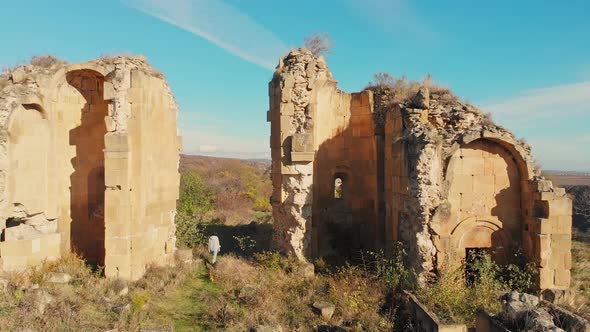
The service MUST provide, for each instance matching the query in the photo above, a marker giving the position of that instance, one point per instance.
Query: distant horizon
(270, 160)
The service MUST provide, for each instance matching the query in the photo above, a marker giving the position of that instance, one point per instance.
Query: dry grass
(235, 295)
(47, 61)
(273, 291)
(399, 90)
(86, 302)
(579, 301)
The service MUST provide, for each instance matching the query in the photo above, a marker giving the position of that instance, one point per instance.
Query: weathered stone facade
(432, 172)
(88, 163)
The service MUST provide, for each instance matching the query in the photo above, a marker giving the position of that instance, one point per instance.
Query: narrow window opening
(338, 187)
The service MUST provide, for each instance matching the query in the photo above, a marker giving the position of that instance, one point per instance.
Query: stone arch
(87, 182)
(485, 181)
(28, 149)
(475, 233)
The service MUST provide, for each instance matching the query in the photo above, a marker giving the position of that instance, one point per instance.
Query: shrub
(400, 89)
(195, 198)
(47, 61)
(139, 299)
(245, 243)
(519, 274)
(194, 206)
(271, 260)
(390, 269)
(190, 230)
(455, 299)
(318, 43)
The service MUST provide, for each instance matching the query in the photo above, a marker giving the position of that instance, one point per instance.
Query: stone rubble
(59, 278)
(324, 308)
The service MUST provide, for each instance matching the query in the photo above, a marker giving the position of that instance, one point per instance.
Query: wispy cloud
(542, 103)
(219, 23)
(394, 16)
(550, 119)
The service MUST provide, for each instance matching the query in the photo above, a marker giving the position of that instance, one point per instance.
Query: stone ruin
(88, 163)
(354, 170)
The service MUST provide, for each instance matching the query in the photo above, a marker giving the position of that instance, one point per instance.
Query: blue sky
(528, 62)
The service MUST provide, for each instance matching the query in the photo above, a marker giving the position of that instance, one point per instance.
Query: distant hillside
(206, 163)
(241, 188)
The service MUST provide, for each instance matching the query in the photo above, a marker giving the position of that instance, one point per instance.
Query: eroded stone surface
(81, 167)
(433, 172)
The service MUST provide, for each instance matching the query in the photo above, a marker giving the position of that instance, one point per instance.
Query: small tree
(319, 43)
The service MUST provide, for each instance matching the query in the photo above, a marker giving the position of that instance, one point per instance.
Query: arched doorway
(87, 191)
(485, 200)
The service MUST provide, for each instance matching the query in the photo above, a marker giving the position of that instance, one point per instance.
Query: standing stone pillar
(292, 146)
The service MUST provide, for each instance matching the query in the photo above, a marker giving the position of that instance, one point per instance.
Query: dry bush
(318, 43)
(452, 300)
(231, 272)
(272, 290)
(86, 302)
(357, 296)
(399, 90)
(47, 61)
(579, 301)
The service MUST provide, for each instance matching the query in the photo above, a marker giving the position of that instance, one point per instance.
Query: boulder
(324, 308)
(59, 278)
(40, 300)
(3, 284)
(308, 271)
(422, 98)
(529, 299)
(184, 255)
(121, 308)
(267, 328)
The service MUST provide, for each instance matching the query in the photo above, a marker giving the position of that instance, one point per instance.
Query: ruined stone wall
(342, 226)
(432, 172)
(396, 174)
(318, 134)
(471, 185)
(73, 123)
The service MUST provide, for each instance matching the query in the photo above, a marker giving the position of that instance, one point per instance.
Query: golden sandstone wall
(319, 134)
(89, 157)
(432, 172)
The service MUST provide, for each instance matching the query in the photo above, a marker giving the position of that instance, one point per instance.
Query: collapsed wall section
(458, 183)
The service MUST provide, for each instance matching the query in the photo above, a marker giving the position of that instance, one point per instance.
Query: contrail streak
(219, 23)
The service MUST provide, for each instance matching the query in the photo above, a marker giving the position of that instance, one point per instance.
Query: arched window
(339, 186)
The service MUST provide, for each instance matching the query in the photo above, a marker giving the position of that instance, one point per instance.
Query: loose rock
(121, 308)
(59, 278)
(41, 299)
(324, 308)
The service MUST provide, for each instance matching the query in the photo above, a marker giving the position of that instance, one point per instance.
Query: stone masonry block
(561, 242)
(563, 225)
(560, 207)
(546, 277)
(302, 143)
(116, 142)
(544, 185)
(562, 278)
